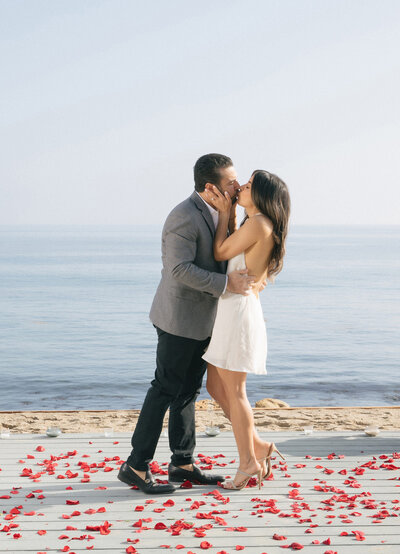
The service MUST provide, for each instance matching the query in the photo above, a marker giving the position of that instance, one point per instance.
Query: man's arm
(180, 242)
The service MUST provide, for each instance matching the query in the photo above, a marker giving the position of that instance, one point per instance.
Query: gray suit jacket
(185, 303)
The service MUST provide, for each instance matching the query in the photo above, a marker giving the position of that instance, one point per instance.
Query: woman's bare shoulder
(262, 223)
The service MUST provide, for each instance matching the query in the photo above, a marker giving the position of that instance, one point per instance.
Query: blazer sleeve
(180, 242)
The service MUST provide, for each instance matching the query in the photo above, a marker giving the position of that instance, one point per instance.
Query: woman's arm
(232, 220)
(225, 247)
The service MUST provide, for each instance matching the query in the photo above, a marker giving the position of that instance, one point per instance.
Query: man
(183, 313)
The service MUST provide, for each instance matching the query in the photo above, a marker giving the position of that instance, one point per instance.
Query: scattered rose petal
(360, 536)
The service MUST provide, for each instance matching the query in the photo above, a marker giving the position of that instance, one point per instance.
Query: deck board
(246, 508)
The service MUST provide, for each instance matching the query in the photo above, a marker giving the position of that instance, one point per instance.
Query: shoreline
(329, 418)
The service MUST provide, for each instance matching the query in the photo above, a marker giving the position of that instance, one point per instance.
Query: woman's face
(244, 197)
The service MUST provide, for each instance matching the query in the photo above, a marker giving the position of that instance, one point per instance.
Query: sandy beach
(273, 419)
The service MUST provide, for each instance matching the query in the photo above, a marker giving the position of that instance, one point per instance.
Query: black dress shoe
(149, 486)
(179, 475)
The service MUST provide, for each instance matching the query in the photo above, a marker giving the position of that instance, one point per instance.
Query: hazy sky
(106, 105)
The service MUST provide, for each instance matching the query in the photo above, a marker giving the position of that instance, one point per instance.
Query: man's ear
(209, 187)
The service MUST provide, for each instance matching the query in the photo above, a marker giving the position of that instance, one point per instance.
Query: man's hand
(239, 282)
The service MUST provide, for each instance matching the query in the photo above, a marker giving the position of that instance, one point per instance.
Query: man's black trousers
(176, 385)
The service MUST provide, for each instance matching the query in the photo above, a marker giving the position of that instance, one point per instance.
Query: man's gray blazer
(185, 303)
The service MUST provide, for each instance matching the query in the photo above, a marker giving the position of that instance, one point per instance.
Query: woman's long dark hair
(271, 197)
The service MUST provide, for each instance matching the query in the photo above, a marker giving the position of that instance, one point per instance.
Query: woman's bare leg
(241, 416)
(216, 389)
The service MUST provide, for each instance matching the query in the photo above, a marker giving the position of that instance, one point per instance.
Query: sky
(107, 104)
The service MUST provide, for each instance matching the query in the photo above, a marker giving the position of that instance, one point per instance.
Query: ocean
(75, 333)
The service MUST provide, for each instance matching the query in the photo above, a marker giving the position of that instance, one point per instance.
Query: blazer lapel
(201, 205)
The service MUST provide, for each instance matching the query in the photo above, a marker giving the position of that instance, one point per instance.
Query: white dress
(239, 337)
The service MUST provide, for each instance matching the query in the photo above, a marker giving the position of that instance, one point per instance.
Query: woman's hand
(221, 202)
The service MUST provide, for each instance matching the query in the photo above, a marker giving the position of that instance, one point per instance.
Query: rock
(271, 403)
(206, 404)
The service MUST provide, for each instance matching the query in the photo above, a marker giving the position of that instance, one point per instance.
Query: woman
(239, 342)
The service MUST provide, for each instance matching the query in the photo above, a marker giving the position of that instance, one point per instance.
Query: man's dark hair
(207, 169)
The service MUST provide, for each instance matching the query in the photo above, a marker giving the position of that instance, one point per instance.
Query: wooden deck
(314, 496)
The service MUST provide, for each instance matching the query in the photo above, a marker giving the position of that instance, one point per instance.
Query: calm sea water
(75, 333)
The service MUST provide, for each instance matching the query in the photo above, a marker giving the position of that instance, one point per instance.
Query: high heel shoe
(272, 448)
(230, 485)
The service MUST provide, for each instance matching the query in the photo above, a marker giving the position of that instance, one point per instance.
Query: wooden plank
(353, 549)
(119, 501)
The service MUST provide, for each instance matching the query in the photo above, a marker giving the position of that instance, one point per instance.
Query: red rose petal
(360, 536)
(277, 537)
(186, 485)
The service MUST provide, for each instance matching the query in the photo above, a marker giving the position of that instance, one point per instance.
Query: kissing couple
(208, 316)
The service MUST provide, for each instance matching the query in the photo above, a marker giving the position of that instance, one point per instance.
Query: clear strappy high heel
(272, 448)
(230, 485)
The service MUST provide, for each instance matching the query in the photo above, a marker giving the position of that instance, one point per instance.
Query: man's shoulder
(184, 210)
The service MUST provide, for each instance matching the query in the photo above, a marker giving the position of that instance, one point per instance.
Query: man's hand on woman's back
(240, 282)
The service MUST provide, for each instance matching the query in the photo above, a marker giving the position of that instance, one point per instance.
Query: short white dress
(239, 337)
